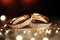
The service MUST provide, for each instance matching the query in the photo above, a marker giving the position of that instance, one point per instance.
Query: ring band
(39, 25)
(40, 17)
(24, 18)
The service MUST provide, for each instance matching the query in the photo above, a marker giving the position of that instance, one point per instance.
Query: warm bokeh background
(13, 8)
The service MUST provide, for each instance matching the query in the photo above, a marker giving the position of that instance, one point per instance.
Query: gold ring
(20, 22)
(39, 17)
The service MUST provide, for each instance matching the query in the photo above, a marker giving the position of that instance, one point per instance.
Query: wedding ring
(20, 22)
(40, 17)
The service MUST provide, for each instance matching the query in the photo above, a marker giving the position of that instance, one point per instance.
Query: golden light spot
(19, 37)
(33, 38)
(45, 38)
(7, 31)
(0, 33)
(48, 31)
(56, 31)
(24, 31)
(35, 34)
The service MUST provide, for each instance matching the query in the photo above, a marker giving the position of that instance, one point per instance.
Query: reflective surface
(51, 33)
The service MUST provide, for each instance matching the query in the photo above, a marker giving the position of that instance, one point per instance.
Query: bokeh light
(0, 33)
(3, 18)
(24, 32)
(56, 31)
(33, 38)
(48, 31)
(7, 2)
(35, 34)
(19, 37)
(7, 31)
(45, 38)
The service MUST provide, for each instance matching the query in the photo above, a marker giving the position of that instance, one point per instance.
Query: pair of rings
(25, 20)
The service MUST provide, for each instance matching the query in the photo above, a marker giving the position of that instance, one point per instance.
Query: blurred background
(15, 8)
